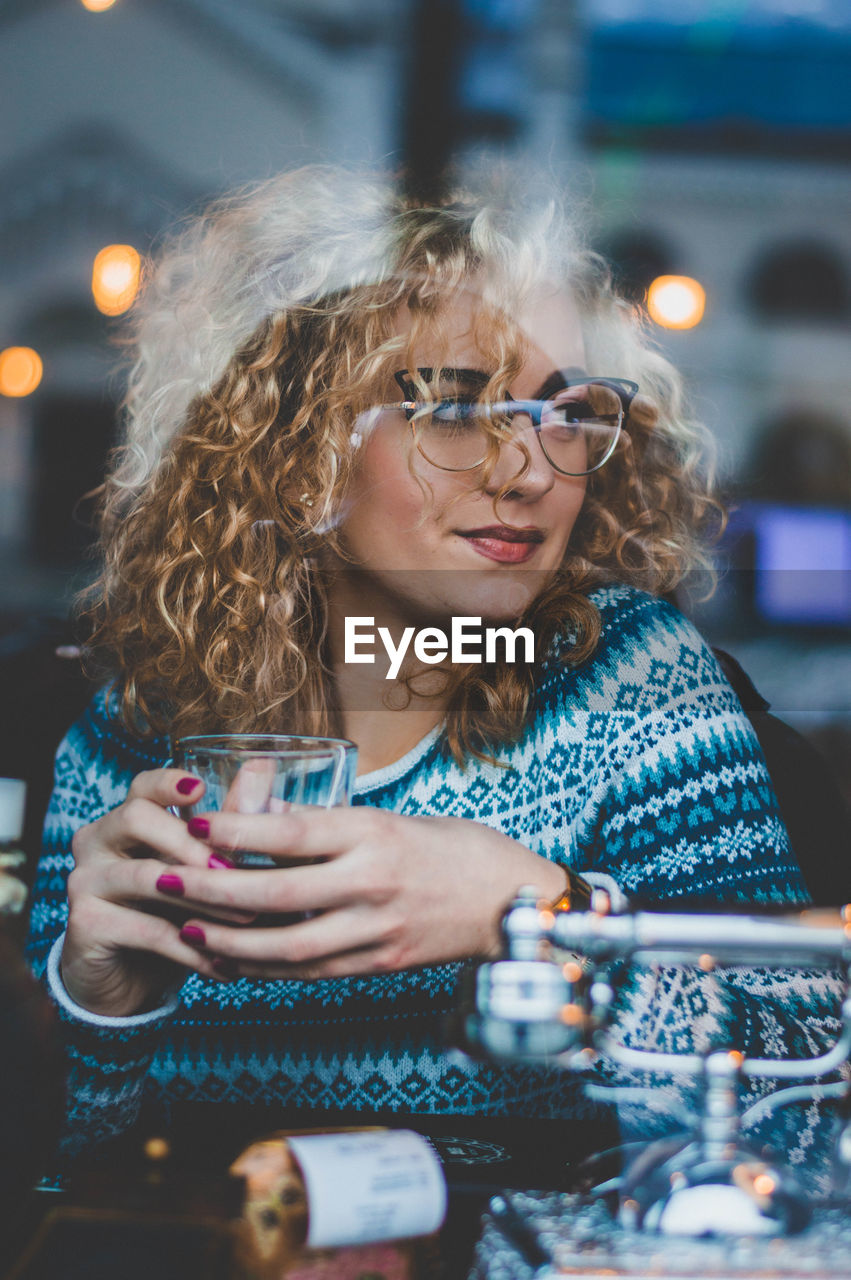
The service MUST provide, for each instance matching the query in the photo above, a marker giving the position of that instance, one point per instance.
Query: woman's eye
(566, 424)
(456, 413)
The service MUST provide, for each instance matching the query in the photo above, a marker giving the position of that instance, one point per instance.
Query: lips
(502, 543)
(505, 533)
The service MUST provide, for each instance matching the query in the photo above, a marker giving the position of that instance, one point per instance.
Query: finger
(129, 929)
(167, 787)
(283, 890)
(251, 789)
(305, 943)
(129, 880)
(143, 823)
(304, 831)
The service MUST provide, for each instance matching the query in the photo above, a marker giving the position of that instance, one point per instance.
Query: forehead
(548, 323)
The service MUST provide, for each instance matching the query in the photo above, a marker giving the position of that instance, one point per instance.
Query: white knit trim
(57, 990)
(393, 772)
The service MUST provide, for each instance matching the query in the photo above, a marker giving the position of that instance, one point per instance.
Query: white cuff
(599, 880)
(56, 987)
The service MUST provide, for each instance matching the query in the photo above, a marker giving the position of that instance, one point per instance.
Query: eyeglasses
(577, 432)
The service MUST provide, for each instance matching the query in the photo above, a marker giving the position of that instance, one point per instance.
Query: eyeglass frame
(624, 388)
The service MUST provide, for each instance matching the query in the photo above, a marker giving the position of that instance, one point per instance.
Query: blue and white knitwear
(640, 764)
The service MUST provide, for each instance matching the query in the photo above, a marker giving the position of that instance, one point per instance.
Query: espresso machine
(704, 1201)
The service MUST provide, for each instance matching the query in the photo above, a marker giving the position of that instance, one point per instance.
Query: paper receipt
(369, 1186)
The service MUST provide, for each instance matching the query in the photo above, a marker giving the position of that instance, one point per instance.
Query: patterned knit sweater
(639, 764)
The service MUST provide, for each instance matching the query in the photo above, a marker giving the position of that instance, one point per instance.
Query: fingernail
(199, 827)
(187, 785)
(172, 885)
(225, 967)
(193, 935)
(216, 860)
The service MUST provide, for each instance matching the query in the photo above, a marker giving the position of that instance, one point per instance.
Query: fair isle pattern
(640, 764)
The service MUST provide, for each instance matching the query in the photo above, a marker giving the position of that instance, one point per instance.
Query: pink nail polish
(187, 785)
(198, 827)
(193, 935)
(172, 885)
(218, 860)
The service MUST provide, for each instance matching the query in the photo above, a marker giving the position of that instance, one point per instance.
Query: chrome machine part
(550, 1000)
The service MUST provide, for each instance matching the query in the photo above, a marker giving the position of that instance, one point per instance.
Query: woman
(349, 407)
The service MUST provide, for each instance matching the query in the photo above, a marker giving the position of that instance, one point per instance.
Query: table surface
(583, 1240)
(120, 1187)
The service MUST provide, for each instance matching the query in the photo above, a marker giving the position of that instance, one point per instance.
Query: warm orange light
(572, 971)
(763, 1184)
(20, 371)
(115, 278)
(97, 6)
(571, 1014)
(676, 302)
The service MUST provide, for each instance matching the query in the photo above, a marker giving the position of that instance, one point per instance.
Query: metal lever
(550, 1000)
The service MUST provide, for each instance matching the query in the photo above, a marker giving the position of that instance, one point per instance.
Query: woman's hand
(121, 948)
(390, 891)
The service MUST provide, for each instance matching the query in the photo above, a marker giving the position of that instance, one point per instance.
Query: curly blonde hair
(260, 336)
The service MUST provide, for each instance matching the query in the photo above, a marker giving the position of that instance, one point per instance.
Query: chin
(499, 597)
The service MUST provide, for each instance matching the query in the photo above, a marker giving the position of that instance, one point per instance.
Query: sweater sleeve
(680, 810)
(106, 1058)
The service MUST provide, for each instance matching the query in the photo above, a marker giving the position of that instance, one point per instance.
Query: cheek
(385, 496)
(570, 502)
(579, 498)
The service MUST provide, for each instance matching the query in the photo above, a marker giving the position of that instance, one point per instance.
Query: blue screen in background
(802, 564)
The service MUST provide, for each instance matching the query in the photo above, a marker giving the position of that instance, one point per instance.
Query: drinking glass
(265, 773)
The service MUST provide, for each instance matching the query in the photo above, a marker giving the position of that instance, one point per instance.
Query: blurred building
(117, 123)
(720, 141)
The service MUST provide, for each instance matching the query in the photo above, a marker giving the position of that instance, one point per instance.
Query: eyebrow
(476, 377)
(552, 384)
(557, 381)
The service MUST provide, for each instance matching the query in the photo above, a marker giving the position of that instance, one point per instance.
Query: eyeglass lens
(577, 434)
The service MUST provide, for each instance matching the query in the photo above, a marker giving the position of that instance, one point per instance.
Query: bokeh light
(20, 371)
(676, 302)
(115, 278)
(97, 6)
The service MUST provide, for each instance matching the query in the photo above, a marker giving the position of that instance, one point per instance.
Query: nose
(521, 465)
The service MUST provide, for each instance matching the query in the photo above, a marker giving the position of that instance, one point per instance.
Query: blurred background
(709, 139)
